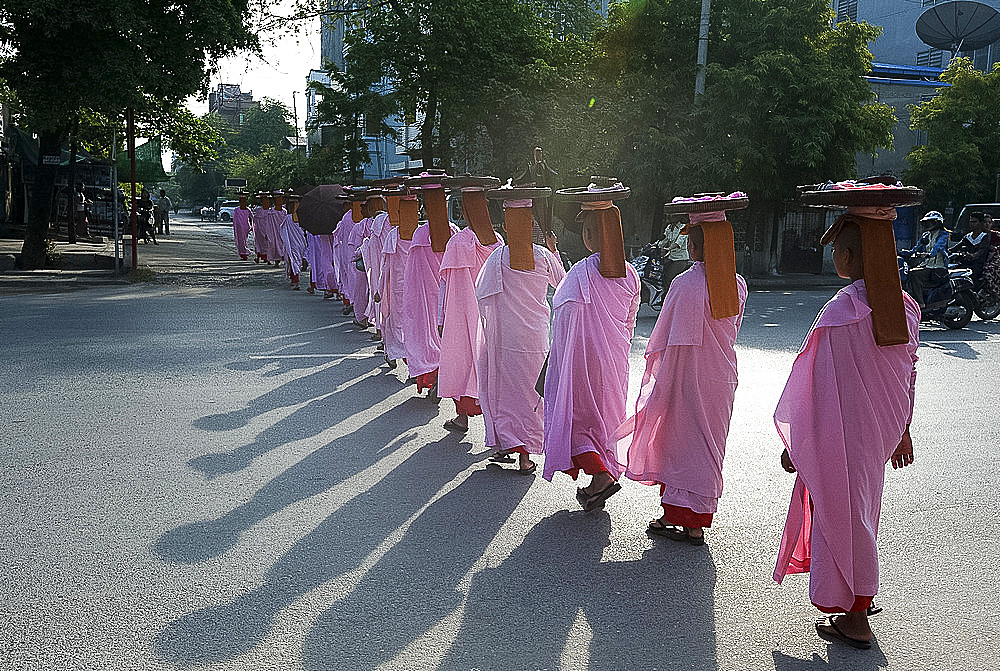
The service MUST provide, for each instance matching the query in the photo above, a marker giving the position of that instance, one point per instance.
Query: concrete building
(905, 70)
(387, 155)
(230, 102)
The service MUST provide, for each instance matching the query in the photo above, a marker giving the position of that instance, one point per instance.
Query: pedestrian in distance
(586, 380)
(677, 437)
(162, 213)
(845, 413)
(512, 290)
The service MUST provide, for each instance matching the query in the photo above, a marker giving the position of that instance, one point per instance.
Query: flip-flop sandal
(527, 471)
(595, 501)
(831, 632)
(674, 533)
(873, 609)
(452, 425)
(502, 458)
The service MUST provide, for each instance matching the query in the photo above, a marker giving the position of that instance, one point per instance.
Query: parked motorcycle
(952, 303)
(649, 264)
(655, 275)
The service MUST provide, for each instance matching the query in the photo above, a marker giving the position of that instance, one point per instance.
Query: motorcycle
(648, 264)
(987, 303)
(655, 274)
(951, 303)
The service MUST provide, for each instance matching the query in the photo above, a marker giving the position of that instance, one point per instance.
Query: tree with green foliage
(961, 159)
(446, 60)
(106, 55)
(353, 99)
(785, 103)
(264, 124)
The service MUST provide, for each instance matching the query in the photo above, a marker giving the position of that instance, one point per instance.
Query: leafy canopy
(961, 159)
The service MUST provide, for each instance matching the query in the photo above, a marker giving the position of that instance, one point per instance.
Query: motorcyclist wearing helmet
(972, 250)
(929, 258)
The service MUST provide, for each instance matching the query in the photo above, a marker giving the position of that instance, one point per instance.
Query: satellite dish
(959, 26)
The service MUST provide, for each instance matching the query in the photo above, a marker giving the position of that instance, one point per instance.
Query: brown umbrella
(322, 209)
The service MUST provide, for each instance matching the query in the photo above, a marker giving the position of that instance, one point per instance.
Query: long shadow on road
(553, 596)
(308, 421)
(416, 584)
(322, 469)
(336, 546)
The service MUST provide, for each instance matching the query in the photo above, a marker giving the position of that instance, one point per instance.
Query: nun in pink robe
(396, 251)
(677, 437)
(843, 415)
(420, 305)
(515, 313)
(260, 244)
(586, 383)
(371, 252)
(241, 228)
(461, 334)
(359, 280)
(344, 256)
(840, 423)
(294, 245)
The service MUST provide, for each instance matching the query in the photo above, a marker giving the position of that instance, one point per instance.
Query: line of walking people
(468, 312)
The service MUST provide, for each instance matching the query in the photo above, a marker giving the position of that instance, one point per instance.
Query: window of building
(847, 10)
(932, 58)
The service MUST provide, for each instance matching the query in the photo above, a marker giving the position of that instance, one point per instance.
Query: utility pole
(699, 82)
(295, 116)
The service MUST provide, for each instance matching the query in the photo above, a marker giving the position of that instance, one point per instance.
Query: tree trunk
(427, 132)
(40, 203)
(71, 222)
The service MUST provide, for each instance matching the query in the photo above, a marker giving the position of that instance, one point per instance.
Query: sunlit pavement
(209, 470)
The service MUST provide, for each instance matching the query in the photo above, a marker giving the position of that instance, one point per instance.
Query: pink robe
(586, 383)
(396, 251)
(677, 436)
(358, 280)
(371, 252)
(462, 338)
(343, 255)
(272, 223)
(260, 231)
(294, 245)
(843, 412)
(241, 230)
(420, 303)
(515, 312)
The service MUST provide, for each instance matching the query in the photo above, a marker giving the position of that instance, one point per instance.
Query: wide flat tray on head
(695, 206)
(888, 197)
(519, 193)
(390, 181)
(471, 181)
(423, 180)
(582, 194)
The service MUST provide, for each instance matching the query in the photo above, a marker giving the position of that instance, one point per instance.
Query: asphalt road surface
(211, 471)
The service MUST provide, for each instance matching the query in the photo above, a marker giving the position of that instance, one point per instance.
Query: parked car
(226, 210)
